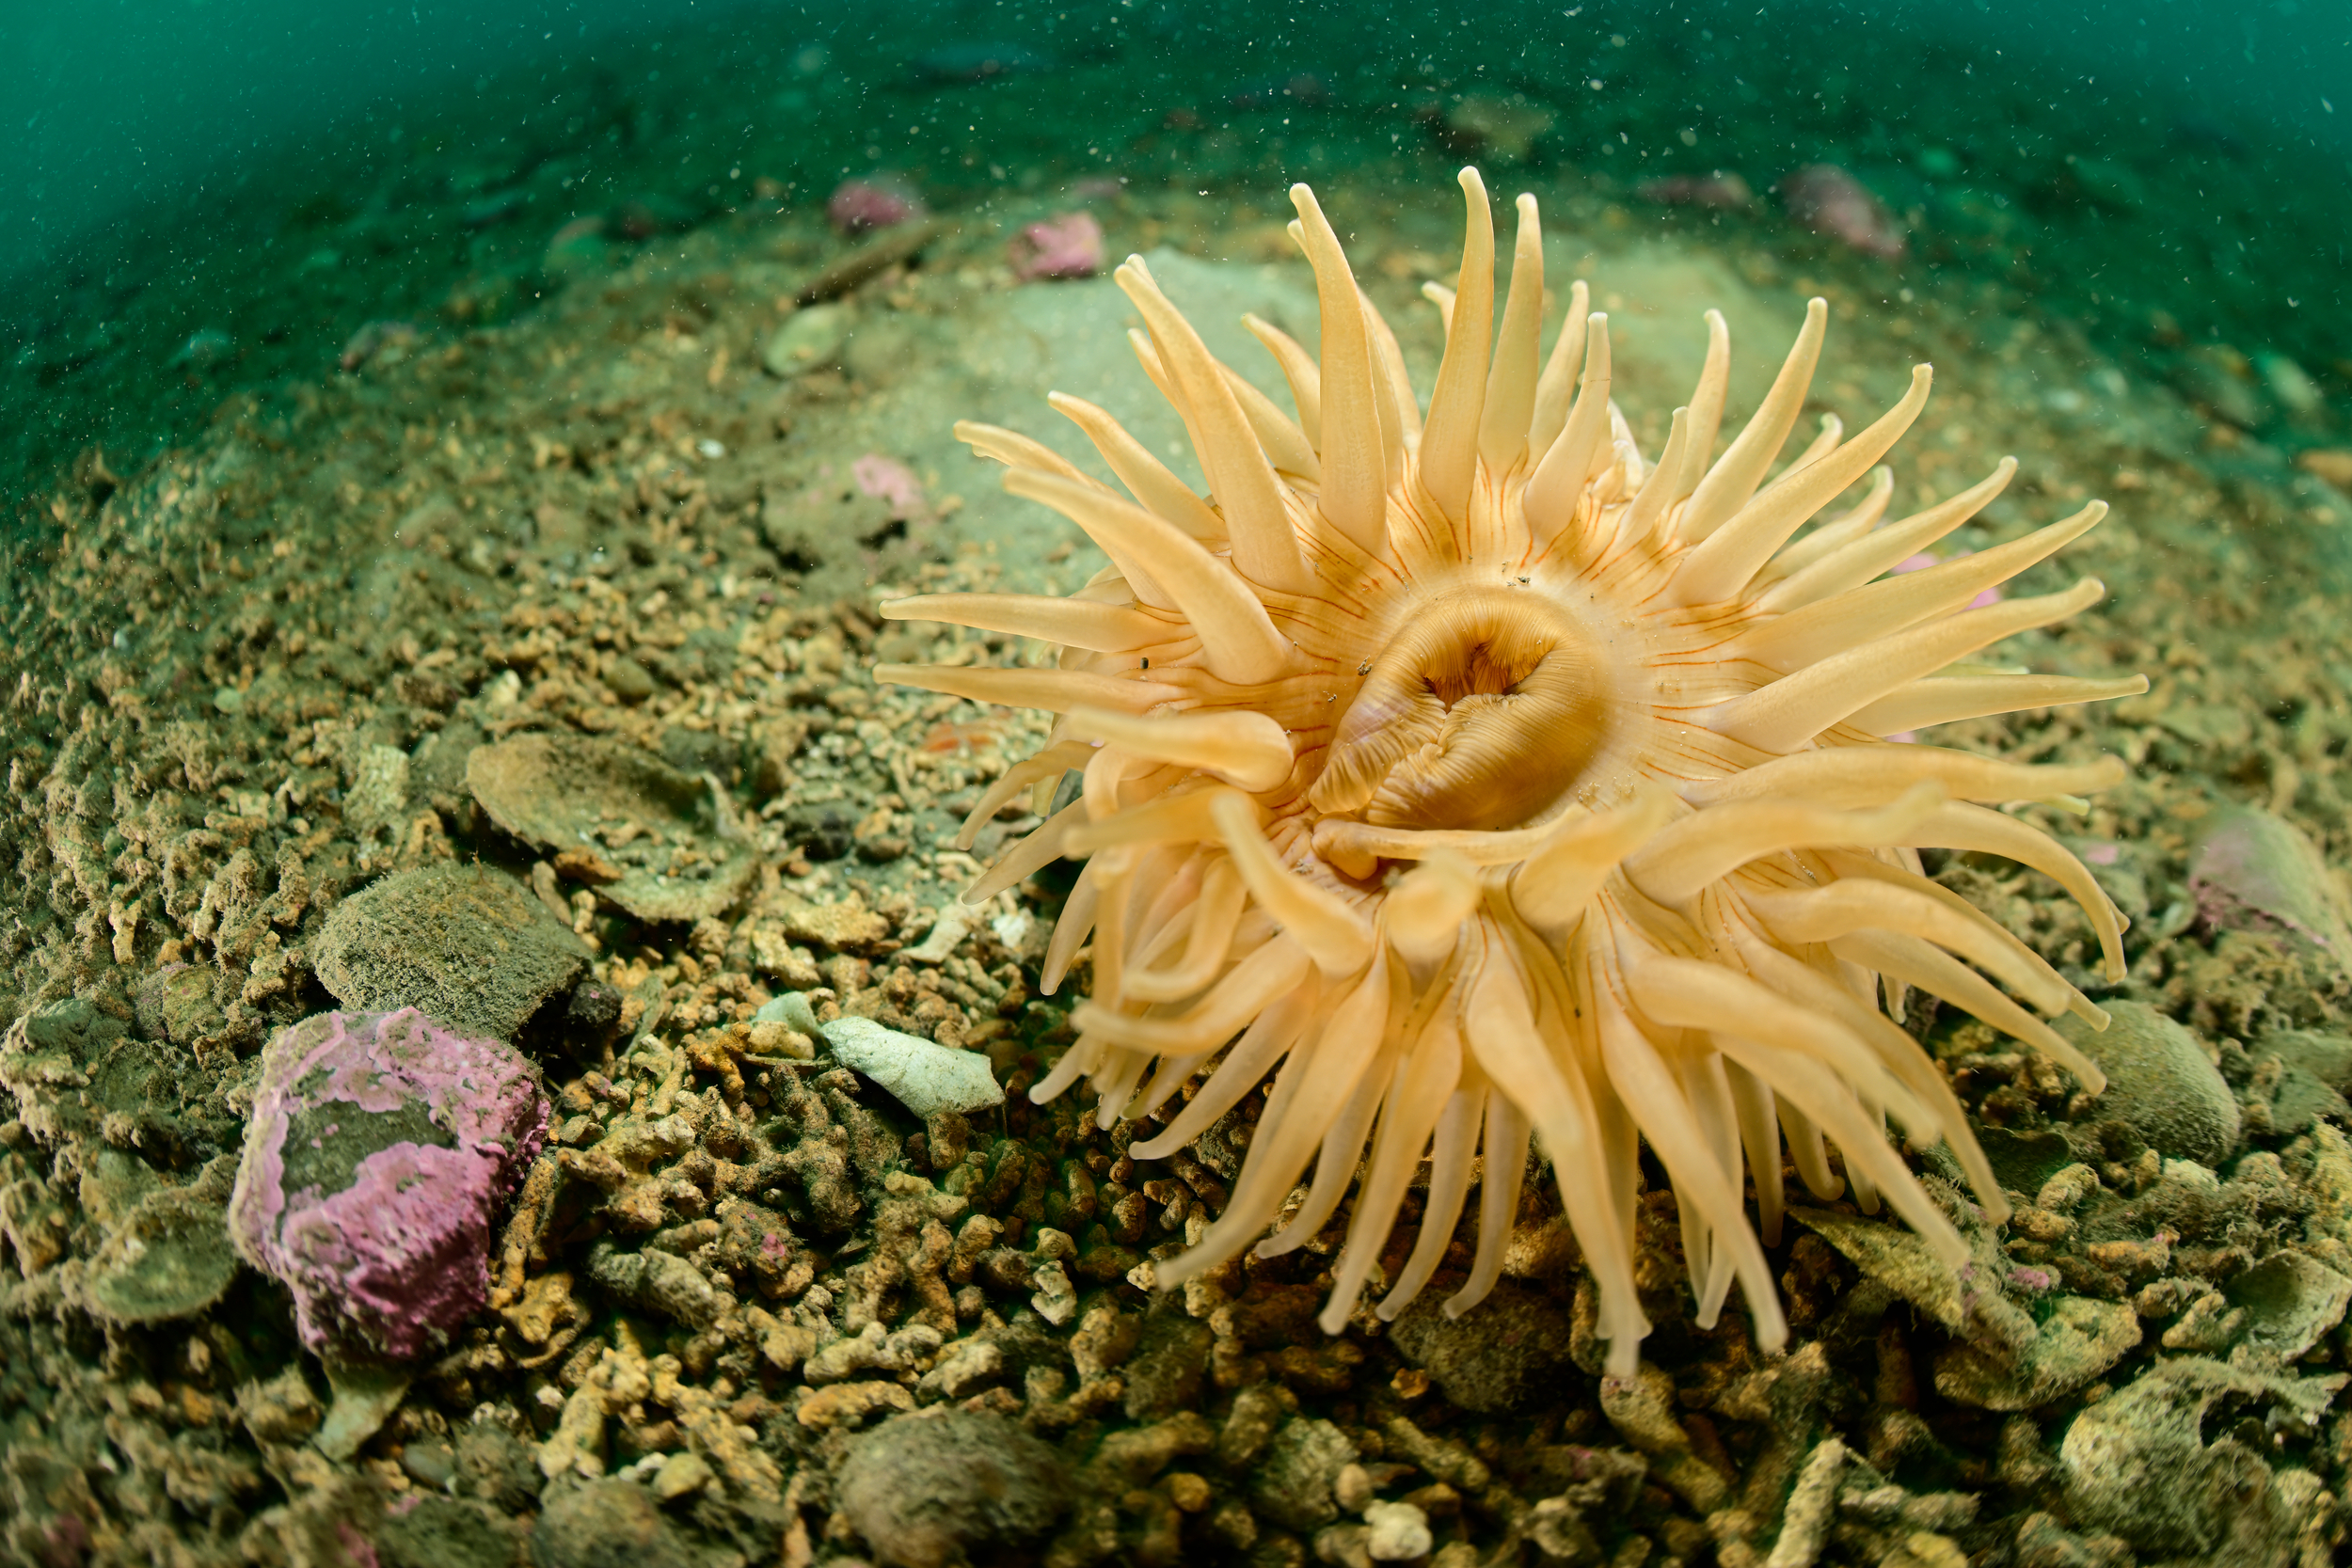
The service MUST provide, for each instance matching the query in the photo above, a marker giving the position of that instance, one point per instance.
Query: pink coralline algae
(859, 206)
(1722, 190)
(892, 483)
(1828, 200)
(1069, 245)
(379, 1152)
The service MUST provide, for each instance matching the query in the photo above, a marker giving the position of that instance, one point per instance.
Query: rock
(2290, 1300)
(432, 1531)
(2076, 1342)
(1400, 1532)
(1293, 1483)
(366, 1394)
(379, 1152)
(608, 1523)
(170, 1258)
(670, 837)
(2160, 1084)
(629, 680)
(68, 1065)
(2136, 1463)
(176, 1005)
(925, 1077)
(1167, 1370)
(2251, 871)
(467, 946)
(1511, 1350)
(926, 1491)
(2332, 463)
(808, 340)
(681, 1475)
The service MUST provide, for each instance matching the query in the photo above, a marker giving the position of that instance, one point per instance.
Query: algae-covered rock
(1292, 1484)
(2078, 1339)
(2137, 1464)
(467, 946)
(71, 1066)
(2161, 1087)
(927, 1492)
(608, 1523)
(658, 843)
(2290, 1299)
(1511, 1350)
(171, 1257)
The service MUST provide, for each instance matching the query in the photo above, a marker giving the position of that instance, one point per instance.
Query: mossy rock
(469, 947)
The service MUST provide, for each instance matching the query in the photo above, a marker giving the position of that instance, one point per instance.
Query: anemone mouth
(1483, 713)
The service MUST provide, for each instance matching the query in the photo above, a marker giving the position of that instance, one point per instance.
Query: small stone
(366, 1394)
(928, 1492)
(629, 680)
(469, 947)
(850, 1403)
(681, 1475)
(2161, 1085)
(925, 1077)
(808, 340)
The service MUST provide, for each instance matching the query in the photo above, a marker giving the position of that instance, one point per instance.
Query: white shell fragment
(925, 1078)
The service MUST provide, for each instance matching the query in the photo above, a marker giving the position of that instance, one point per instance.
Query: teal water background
(209, 195)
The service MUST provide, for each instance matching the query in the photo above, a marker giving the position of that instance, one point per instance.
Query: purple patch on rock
(379, 1152)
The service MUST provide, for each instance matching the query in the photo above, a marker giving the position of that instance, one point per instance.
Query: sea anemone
(1487, 778)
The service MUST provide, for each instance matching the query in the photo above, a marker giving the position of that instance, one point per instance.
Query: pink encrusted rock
(1069, 245)
(379, 1152)
(878, 201)
(1829, 200)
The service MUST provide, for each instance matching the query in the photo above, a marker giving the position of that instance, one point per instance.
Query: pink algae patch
(1069, 245)
(892, 483)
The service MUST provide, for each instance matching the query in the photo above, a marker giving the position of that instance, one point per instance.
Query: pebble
(2160, 1084)
(1400, 1532)
(2077, 1341)
(924, 1077)
(809, 339)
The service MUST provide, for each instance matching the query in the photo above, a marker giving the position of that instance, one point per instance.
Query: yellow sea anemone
(1489, 779)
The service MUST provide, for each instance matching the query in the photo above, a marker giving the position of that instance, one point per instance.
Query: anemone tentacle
(1480, 780)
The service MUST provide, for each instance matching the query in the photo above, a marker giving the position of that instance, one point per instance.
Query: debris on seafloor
(925, 1078)
(660, 844)
(380, 1150)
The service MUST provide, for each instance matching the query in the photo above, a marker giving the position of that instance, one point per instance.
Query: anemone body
(1477, 779)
